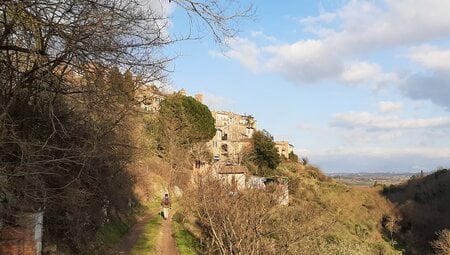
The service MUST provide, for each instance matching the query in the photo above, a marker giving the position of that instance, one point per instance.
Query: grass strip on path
(187, 244)
(148, 241)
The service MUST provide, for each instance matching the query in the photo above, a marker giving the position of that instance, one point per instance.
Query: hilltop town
(232, 138)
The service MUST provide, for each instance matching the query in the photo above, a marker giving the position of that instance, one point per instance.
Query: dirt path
(166, 241)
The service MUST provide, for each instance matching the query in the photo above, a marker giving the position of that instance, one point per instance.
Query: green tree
(293, 157)
(263, 153)
(191, 120)
(183, 125)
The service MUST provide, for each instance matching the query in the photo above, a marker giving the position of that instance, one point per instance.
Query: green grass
(114, 230)
(187, 244)
(147, 242)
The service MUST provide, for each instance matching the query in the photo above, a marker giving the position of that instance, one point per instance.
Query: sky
(355, 86)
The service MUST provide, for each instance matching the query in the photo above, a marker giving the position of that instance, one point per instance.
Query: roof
(232, 170)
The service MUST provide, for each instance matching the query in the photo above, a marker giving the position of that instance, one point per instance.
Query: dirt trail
(166, 241)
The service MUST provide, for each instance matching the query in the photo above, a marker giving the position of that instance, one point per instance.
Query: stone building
(284, 148)
(149, 97)
(234, 176)
(234, 133)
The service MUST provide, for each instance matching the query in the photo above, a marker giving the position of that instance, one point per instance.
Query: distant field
(368, 179)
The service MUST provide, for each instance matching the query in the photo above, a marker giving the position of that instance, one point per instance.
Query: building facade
(234, 133)
(284, 148)
(149, 98)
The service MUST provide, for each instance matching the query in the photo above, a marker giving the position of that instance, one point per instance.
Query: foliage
(187, 244)
(293, 157)
(182, 127)
(423, 204)
(191, 120)
(75, 152)
(112, 231)
(228, 224)
(263, 154)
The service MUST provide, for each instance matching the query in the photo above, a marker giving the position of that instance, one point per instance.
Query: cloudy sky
(354, 85)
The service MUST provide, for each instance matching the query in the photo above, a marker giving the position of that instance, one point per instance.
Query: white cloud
(350, 33)
(160, 7)
(304, 61)
(430, 152)
(364, 137)
(243, 50)
(387, 106)
(263, 36)
(372, 121)
(365, 73)
(431, 57)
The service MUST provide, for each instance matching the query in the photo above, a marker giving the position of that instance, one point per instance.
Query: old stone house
(149, 98)
(234, 176)
(234, 133)
(284, 148)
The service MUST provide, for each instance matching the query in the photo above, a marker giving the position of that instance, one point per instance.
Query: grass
(187, 244)
(114, 230)
(147, 242)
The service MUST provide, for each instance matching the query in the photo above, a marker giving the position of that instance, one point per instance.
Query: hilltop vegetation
(424, 203)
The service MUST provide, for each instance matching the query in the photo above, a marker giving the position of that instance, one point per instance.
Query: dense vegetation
(424, 203)
(262, 157)
(187, 119)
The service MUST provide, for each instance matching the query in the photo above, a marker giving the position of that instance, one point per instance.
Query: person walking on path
(166, 205)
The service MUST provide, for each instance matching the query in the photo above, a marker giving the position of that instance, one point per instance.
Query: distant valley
(369, 179)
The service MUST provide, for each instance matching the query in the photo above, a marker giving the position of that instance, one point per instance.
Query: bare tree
(64, 140)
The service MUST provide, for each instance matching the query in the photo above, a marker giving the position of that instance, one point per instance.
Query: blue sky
(354, 85)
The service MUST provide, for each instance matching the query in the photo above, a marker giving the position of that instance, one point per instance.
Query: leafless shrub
(233, 223)
(252, 222)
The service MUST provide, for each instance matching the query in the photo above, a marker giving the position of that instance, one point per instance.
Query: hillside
(323, 217)
(350, 218)
(424, 203)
